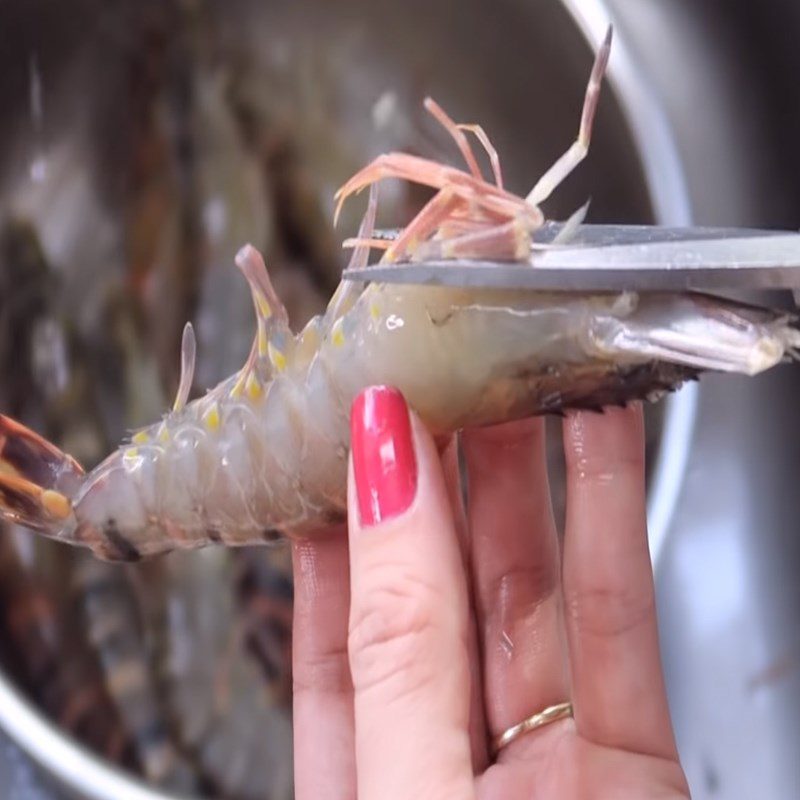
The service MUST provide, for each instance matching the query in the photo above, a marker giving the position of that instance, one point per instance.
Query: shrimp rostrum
(265, 452)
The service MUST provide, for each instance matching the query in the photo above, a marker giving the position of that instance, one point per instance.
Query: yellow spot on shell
(163, 433)
(254, 388)
(141, 437)
(277, 358)
(263, 306)
(211, 417)
(337, 333)
(374, 311)
(131, 452)
(56, 504)
(263, 343)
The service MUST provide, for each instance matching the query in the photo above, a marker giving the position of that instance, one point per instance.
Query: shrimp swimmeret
(265, 452)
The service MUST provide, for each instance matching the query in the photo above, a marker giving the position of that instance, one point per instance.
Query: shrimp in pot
(104, 597)
(265, 452)
(48, 654)
(233, 724)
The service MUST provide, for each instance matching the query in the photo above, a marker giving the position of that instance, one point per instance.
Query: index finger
(618, 686)
(409, 628)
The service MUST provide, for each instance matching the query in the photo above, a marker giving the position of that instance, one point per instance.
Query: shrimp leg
(491, 152)
(348, 292)
(438, 113)
(509, 240)
(455, 130)
(483, 195)
(580, 147)
(428, 219)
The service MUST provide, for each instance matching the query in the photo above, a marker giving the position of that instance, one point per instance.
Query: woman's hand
(430, 630)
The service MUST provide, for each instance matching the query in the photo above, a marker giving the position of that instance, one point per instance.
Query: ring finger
(515, 557)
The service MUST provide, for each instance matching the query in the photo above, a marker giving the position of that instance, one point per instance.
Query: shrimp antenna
(188, 355)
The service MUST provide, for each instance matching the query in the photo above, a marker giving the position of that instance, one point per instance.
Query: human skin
(430, 628)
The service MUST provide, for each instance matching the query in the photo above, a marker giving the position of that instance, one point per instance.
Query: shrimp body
(265, 452)
(242, 468)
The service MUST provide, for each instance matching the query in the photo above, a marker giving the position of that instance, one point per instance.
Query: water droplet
(393, 322)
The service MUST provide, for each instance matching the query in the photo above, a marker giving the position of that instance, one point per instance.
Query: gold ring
(550, 714)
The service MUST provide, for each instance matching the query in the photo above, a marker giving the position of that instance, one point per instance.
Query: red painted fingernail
(384, 463)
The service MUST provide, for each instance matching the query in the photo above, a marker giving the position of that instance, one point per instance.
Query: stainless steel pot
(729, 598)
(520, 69)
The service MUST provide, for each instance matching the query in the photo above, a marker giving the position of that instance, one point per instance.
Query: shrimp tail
(37, 480)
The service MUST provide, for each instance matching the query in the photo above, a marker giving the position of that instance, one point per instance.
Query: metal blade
(606, 235)
(619, 258)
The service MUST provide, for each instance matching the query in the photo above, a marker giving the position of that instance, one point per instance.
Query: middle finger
(515, 558)
(477, 720)
(324, 752)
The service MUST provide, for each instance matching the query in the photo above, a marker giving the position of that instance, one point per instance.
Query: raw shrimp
(265, 452)
(232, 725)
(266, 594)
(48, 654)
(108, 610)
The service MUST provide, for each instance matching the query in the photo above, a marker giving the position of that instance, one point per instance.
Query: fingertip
(383, 454)
(595, 440)
(392, 455)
